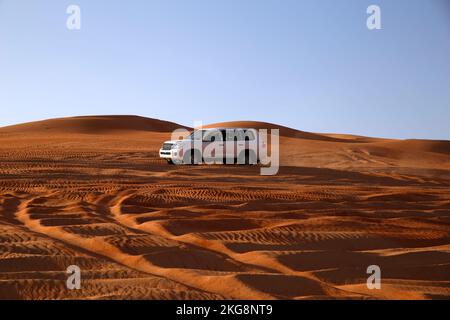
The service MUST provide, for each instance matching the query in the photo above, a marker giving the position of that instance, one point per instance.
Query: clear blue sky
(312, 65)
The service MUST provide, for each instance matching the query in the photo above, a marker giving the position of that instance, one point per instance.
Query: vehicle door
(212, 146)
(230, 145)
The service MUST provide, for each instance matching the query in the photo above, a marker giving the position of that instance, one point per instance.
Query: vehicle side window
(232, 135)
(240, 134)
(246, 135)
(224, 134)
(212, 135)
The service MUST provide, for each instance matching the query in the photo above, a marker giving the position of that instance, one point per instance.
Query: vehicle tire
(169, 161)
(224, 161)
(249, 157)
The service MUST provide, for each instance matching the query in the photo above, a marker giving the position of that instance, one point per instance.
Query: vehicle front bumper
(174, 154)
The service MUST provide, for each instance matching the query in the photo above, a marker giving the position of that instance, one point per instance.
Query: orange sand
(92, 191)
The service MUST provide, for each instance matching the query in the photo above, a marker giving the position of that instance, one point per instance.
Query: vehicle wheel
(169, 161)
(249, 157)
(224, 161)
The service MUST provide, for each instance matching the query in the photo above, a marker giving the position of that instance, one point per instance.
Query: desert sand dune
(91, 191)
(284, 131)
(93, 125)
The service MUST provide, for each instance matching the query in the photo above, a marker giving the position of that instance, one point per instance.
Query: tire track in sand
(308, 280)
(144, 258)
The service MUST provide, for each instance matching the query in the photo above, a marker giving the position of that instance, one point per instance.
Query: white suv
(217, 145)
